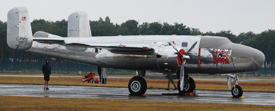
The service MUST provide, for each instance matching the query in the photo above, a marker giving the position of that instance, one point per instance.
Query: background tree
(246, 36)
(195, 31)
(131, 26)
(181, 29)
(143, 28)
(167, 29)
(154, 28)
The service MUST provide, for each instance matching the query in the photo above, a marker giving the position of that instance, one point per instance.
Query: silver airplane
(176, 56)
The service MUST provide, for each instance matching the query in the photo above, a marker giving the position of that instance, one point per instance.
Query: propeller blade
(192, 47)
(174, 46)
(182, 75)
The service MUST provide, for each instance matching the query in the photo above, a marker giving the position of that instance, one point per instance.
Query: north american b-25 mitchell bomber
(173, 55)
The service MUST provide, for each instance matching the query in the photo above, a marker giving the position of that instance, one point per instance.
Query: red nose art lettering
(221, 56)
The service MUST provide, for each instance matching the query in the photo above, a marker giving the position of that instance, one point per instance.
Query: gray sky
(207, 15)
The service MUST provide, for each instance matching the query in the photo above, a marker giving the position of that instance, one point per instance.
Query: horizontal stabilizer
(45, 37)
(43, 34)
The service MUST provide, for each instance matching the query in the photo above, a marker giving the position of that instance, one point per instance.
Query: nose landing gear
(236, 90)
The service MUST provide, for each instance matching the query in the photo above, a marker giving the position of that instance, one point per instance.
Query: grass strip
(13, 103)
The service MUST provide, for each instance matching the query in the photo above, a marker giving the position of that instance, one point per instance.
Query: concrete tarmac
(254, 98)
(149, 77)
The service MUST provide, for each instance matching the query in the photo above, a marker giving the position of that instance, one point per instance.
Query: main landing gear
(137, 85)
(189, 85)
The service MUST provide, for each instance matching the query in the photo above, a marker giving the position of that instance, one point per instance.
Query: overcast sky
(207, 15)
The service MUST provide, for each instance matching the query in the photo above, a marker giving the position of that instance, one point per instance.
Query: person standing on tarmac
(46, 69)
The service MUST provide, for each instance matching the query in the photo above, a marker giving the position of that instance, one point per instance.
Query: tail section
(78, 25)
(19, 33)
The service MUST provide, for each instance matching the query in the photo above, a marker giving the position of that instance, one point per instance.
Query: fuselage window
(184, 44)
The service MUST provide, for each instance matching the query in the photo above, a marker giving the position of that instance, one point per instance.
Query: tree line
(20, 60)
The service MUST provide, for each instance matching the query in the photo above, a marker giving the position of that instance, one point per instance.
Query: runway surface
(149, 77)
(255, 98)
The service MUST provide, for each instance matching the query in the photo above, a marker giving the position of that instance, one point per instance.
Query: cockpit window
(184, 44)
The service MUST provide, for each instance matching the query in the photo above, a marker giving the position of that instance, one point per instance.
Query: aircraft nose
(253, 58)
(258, 58)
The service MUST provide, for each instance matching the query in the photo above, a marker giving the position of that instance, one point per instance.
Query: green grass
(12, 103)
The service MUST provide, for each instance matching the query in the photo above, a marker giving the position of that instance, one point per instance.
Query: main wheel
(137, 85)
(237, 91)
(189, 85)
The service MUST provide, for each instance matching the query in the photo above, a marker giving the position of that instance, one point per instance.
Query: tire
(189, 85)
(137, 85)
(237, 91)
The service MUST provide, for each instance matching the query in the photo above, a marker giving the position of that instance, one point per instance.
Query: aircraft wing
(123, 48)
(49, 40)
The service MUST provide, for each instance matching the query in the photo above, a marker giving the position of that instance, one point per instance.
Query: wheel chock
(144, 95)
(194, 93)
(242, 97)
(239, 97)
(189, 94)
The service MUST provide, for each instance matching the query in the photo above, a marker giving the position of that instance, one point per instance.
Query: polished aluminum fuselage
(203, 57)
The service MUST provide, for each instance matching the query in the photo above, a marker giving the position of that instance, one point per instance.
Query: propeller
(184, 57)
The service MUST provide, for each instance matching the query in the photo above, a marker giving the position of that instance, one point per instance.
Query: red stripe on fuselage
(199, 59)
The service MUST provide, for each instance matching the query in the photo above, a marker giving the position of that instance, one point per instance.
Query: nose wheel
(237, 91)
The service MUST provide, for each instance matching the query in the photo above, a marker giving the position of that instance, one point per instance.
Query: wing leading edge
(122, 48)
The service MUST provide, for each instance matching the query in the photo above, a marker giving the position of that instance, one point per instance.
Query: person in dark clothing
(46, 69)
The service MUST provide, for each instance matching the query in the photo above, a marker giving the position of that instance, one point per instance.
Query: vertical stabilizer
(19, 33)
(78, 25)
